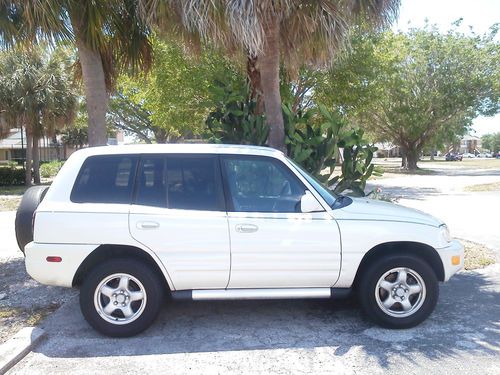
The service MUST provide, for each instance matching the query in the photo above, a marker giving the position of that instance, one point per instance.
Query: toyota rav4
(129, 225)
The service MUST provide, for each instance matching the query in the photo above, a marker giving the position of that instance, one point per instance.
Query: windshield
(329, 196)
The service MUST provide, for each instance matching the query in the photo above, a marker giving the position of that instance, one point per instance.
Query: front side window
(105, 179)
(260, 184)
(180, 182)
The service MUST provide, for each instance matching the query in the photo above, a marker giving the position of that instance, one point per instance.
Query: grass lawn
(475, 163)
(12, 190)
(493, 186)
(477, 255)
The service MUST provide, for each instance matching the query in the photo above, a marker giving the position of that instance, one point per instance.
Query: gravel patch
(23, 301)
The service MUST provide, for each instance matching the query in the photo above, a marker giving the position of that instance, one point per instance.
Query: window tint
(151, 182)
(105, 179)
(180, 182)
(262, 185)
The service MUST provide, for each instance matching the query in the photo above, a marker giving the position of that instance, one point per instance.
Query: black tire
(24, 216)
(150, 306)
(422, 303)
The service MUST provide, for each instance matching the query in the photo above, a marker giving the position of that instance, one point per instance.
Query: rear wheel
(121, 298)
(398, 291)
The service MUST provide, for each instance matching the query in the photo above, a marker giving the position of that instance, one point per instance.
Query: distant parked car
(450, 156)
(468, 155)
(485, 155)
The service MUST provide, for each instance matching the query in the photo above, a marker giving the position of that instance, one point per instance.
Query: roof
(13, 140)
(179, 148)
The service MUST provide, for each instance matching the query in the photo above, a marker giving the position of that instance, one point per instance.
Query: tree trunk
(95, 86)
(270, 80)
(29, 156)
(404, 161)
(433, 151)
(255, 84)
(411, 160)
(36, 160)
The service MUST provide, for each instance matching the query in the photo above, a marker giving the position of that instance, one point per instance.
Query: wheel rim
(120, 298)
(400, 292)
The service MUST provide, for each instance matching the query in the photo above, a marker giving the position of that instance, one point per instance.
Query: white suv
(130, 224)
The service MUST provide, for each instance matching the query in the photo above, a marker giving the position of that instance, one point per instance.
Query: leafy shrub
(50, 169)
(11, 175)
(234, 119)
(315, 138)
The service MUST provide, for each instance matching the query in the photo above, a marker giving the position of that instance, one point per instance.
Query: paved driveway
(461, 337)
(312, 337)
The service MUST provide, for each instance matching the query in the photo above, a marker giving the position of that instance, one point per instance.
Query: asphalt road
(283, 337)
(461, 337)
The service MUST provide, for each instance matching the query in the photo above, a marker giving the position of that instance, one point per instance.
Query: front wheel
(398, 291)
(121, 298)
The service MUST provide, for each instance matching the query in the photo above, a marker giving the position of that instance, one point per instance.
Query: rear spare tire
(24, 216)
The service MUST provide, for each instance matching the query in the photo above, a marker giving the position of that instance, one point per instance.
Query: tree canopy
(417, 87)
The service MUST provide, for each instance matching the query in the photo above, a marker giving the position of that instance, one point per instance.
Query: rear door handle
(246, 228)
(148, 225)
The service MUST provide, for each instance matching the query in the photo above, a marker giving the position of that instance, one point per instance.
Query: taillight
(54, 259)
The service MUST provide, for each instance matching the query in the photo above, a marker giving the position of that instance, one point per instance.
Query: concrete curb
(12, 351)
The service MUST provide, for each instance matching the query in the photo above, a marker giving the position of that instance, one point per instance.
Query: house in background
(470, 144)
(387, 150)
(13, 147)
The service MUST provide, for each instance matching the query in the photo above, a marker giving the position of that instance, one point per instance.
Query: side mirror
(309, 204)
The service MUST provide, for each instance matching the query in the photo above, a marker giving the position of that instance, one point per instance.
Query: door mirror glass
(310, 204)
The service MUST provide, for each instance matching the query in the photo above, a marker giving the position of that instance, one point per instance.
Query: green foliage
(10, 175)
(415, 89)
(357, 165)
(50, 169)
(234, 119)
(174, 99)
(311, 138)
(491, 142)
(314, 139)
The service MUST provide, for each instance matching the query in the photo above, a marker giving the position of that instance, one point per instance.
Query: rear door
(179, 213)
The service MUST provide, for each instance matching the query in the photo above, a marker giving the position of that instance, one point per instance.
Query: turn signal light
(455, 260)
(54, 259)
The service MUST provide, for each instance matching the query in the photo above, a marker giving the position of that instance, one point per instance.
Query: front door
(179, 213)
(274, 244)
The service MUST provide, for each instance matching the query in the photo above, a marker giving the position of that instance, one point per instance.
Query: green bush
(234, 120)
(11, 175)
(50, 169)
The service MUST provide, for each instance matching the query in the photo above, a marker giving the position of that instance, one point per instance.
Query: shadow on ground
(466, 322)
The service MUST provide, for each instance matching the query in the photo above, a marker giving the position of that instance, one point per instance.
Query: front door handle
(148, 225)
(246, 228)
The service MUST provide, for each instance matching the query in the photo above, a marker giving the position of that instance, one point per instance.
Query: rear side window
(105, 179)
(180, 182)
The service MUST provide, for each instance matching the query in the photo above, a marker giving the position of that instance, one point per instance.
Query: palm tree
(108, 34)
(36, 93)
(291, 32)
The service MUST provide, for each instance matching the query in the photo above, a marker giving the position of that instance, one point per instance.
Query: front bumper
(452, 257)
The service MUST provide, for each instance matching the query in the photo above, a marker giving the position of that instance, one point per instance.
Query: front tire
(398, 291)
(121, 298)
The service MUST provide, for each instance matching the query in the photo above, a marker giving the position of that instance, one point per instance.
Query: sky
(478, 14)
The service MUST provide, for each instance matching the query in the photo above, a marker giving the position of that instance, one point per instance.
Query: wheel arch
(110, 251)
(421, 250)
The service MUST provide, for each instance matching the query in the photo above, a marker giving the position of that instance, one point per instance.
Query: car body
(226, 222)
(450, 156)
(468, 155)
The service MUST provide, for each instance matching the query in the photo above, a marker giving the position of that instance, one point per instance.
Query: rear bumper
(449, 256)
(50, 273)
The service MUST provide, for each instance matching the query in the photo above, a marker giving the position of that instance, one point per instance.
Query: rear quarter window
(105, 179)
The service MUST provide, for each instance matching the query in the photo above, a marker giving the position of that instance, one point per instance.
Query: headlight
(445, 233)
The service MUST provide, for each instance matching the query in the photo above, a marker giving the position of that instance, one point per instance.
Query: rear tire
(24, 216)
(398, 291)
(121, 298)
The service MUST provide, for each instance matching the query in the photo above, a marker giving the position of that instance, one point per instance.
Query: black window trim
(227, 191)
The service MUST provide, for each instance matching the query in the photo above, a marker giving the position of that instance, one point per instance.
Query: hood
(370, 209)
